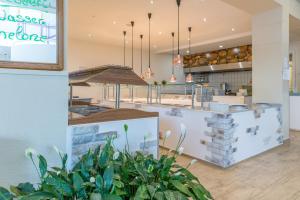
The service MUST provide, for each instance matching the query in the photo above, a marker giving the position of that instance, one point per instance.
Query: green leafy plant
(107, 174)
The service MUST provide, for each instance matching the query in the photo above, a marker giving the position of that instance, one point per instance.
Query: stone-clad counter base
(88, 133)
(221, 138)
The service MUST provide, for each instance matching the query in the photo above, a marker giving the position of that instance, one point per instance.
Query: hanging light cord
(190, 30)
(149, 16)
(132, 25)
(173, 53)
(124, 33)
(141, 36)
(178, 4)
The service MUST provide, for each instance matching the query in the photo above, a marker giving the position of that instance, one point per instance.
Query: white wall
(270, 39)
(88, 54)
(33, 113)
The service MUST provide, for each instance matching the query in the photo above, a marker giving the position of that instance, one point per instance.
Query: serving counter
(91, 125)
(222, 138)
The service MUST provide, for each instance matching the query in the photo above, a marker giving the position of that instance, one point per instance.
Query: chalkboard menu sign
(31, 34)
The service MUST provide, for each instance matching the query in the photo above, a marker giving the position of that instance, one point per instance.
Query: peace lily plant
(108, 174)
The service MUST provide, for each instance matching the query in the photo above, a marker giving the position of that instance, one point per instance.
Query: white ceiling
(93, 20)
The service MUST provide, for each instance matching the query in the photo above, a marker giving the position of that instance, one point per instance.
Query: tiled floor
(274, 175)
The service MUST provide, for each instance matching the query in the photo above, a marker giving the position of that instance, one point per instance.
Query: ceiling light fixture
(189, 77)
(124, 50)
(233, 29)
(204, 19)
(141, 75)
(178, 60)
(132, 25)
(173, 77)
(152, 2)
(149, 72)
(221, 46)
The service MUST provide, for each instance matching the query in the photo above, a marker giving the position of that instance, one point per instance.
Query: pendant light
(189, 77)
(132, 25)
(124, 50)
(178, 59)
(149, 72)
(173, 77)
(141, 75)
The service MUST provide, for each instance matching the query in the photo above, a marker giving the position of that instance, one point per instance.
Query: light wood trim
(113, 115)
(59, 66)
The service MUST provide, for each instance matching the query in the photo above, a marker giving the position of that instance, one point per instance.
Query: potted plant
(107, 174)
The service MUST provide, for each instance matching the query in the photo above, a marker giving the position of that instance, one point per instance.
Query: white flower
(148, 136)
(180, 150)
(168, 134)
(56, 149)
(29, 152)
(183, 129)
(193, 161)
(92, 180)
(177, 174)
(116, 155)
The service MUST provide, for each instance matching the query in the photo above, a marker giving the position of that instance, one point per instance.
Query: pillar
(270, 39)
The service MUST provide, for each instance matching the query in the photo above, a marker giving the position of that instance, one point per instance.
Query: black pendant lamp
(124, 50)
(173, 77)
(141, 75)
(178, 59)
(189, 77)
(132, 25)
(149, 72)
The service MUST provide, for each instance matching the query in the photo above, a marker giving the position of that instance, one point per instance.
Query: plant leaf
(174, 195)
(181, 187)
(95, 196)
(38, 196)
(42, 165)
(111, 197)
(141, 193)
(108, 177)
(99, 182)
(77, 182)
(5, 194)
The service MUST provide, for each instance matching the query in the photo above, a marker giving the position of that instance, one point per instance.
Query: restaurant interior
(150, 99)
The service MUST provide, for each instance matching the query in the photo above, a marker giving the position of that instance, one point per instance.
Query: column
(270, 39)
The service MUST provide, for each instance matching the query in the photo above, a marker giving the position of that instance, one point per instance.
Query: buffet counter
(222, 138)
(88, 132)
(233, 99)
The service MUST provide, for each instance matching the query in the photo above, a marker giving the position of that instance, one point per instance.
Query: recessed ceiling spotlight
(233, 29)
(114, 22)
(159, 33)
(152, 2)
(204, 19)
(236, 50)
(221, 46)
